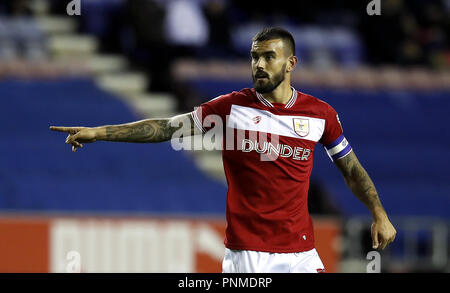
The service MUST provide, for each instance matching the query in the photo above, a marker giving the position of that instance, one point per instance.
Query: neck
(282, 94)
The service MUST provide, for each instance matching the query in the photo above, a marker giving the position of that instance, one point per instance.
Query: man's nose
(260, 64)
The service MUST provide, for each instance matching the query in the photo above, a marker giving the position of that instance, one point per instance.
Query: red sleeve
(336, 145)
(333, 127)
(208, 114)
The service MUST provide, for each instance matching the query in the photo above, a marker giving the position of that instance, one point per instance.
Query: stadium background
(148, 208)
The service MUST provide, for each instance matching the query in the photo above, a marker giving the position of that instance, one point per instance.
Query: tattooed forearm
(150, 130)
(143, 131)
(359, 182)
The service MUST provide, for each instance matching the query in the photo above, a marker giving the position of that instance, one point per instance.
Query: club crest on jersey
(301, 126)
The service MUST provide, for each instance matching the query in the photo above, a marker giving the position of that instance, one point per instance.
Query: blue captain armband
(338, 148)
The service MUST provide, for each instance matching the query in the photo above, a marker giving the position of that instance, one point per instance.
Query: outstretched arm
(363, 188)
(143, 131)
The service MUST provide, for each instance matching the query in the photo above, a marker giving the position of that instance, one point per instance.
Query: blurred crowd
(20, 37)
(155, 33)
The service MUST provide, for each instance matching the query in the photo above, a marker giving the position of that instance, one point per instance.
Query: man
(268, 225)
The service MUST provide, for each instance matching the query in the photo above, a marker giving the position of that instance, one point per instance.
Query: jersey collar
(288, 105)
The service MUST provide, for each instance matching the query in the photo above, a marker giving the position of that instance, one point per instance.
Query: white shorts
(247, 261)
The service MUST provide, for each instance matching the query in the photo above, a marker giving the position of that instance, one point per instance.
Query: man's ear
(292, 62)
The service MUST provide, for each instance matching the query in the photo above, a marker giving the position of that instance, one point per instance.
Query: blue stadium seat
(40, 173)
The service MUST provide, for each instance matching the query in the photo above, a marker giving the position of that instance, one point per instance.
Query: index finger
(375, 242)
(71, 130)
(60, 128)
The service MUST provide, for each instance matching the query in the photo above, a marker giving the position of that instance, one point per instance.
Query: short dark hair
(272, 33)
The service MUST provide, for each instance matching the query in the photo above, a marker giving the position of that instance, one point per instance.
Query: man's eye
(270, 57)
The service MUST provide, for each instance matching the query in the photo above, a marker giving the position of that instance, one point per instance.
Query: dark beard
(272, 84)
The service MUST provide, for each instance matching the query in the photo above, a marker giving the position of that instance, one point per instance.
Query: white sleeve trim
(197, 121)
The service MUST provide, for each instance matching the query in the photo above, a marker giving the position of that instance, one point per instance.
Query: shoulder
(314, 101)
(316, 105)
(234, 96)
(245, 92)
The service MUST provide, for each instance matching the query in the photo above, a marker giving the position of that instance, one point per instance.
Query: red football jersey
(268, 158)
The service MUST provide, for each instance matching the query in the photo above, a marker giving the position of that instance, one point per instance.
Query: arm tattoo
(359, 181)
(150, 130)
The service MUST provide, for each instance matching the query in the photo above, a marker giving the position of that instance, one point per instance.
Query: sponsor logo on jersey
(276, 150)
(256, 119)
